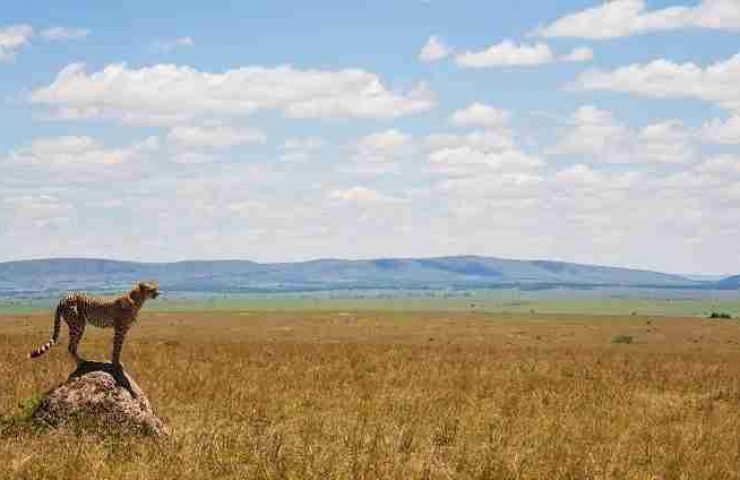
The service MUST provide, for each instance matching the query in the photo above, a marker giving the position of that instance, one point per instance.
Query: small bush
(28, 406)
(623, 339)
(720, 315)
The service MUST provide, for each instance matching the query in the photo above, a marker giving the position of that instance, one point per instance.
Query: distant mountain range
(52, 276)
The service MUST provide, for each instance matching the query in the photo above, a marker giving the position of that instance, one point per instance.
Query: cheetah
(78, 309)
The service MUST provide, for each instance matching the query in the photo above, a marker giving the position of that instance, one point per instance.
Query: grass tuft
(623, 339)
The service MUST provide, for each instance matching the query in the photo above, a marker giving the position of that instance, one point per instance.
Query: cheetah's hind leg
(75, 335)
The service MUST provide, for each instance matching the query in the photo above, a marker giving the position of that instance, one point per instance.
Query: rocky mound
(100, 396)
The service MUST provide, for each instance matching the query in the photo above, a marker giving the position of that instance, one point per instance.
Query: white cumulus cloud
(595, 133)
(385, 141)
(166, 90)
(194, 136)
(726, 166)
(465, 161)
(71, 150)
(722, 131)
(477, 154)
(511, 54)
(76, 160)
(481, 115)
(507, 53)
(361, 196)
(12, 39)
(667, 141)
(380, 152)
(499, 139)
(716, 83)
(620, 18)
(434, 49)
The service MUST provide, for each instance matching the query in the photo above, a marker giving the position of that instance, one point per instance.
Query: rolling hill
(50, 276)
(729, 283)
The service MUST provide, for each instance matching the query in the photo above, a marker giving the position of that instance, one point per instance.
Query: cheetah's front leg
(118, 337)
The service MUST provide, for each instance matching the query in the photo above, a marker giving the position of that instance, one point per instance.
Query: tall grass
(394, 395)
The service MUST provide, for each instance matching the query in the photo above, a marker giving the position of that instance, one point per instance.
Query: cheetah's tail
(54, 335)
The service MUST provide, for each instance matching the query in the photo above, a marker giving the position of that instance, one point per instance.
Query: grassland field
(393, 393)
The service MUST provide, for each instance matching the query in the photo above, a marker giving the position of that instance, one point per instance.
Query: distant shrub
(623, 339)
(720, 315)
(28, 406)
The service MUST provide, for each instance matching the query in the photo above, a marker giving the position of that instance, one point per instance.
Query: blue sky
(274, 131)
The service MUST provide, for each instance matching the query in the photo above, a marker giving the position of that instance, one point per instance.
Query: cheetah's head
(148, 289)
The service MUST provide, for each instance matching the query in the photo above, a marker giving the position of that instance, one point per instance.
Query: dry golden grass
(395, 395)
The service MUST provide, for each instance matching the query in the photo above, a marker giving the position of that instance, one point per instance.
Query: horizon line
(319, 259)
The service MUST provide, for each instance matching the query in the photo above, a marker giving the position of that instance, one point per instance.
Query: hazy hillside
(50, 276)
(729, 283)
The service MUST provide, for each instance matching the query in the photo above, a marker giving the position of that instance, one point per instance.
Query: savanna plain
(393, 394)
